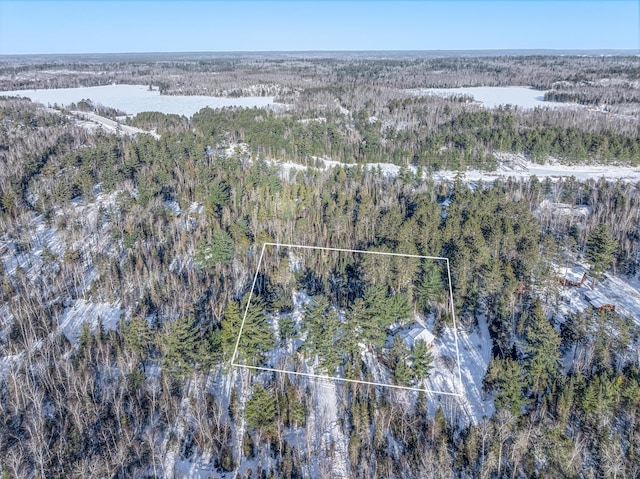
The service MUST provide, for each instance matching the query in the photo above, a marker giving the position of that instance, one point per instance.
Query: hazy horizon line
(315, 52)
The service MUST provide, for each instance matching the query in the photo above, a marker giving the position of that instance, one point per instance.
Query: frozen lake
(134, 99)
(493, 96)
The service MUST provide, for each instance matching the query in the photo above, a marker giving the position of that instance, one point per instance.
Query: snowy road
(113, 125)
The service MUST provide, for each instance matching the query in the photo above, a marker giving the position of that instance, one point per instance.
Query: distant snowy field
(134, 99)
(494, 96)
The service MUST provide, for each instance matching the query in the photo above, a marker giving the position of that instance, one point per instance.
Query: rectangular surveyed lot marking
(337, 378)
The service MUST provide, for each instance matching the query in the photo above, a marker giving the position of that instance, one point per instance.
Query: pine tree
(510, 385)
(261, 410)
(257, 337)
(600, 250)
(421, 360)
(287, 327)
(220, 250)
(360, 328)
(137, 336)
(402, 373)
(430, 288)
(230, 328)
(397, 357)
(211, 349)
(85, 341)
(323, 333)
(381, 312)
(543, 350)
(180, 345)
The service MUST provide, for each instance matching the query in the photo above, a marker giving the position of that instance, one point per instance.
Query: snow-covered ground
(518, 167)
(494, 96)
(474, 352)
(286, 167)
(622, 292)
(324, 427)
(87, 232)
(563, 209)
(134, 99)
(109, 125)
(94, 314)
(510, 165)
(461, 359)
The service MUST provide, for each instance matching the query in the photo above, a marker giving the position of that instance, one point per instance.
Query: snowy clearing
(622, 292)
(94, 314)
(474, 352)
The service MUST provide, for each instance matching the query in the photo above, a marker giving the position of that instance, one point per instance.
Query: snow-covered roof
(596, 299)
(416, 332)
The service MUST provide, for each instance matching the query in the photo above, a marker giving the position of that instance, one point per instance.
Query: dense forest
(167, 234)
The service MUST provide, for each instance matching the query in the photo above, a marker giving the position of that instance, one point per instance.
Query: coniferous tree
(429, 288)
(219, 251)
(510, 385)
(137, 336)
(257, 337)
(421, 360)
(180, 345)
(323, 333)
(543, 351)
(230, 328)
(261, 410)
(600, 250)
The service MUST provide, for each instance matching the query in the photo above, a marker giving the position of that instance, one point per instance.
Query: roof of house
(416, 332)
(596, 299)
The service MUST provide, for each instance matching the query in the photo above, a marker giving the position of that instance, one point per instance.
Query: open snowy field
(494, 96)
(134, 99)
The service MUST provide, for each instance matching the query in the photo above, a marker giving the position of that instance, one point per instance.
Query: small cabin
(598, 301)
(416, 332)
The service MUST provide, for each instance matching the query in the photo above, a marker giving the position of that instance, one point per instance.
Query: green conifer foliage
(257, 338)
(261, 410)
(543, 351)
(137, 336)
(510, 385)
(600, 250)
(421, 360)
(180, 345)
(219, 251)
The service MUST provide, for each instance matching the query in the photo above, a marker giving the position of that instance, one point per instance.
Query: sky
(90, 26)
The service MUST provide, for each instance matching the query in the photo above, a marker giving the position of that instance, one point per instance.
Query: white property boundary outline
(333, 378)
